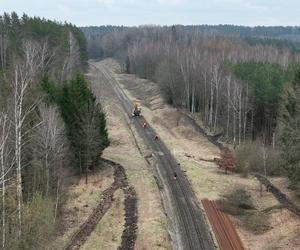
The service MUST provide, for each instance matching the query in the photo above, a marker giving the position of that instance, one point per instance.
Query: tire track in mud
(131, 215)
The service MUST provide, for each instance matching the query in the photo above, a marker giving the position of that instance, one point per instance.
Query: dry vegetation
(107, 234)
(80, 200)
(190, 148)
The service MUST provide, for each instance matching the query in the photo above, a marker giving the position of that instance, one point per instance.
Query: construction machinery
(136, 110)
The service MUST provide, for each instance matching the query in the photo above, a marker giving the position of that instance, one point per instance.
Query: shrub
(236, 201)
(249, 158)
(38, 223)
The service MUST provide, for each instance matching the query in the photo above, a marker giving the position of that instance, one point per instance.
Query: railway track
(227, 236)
(186, 223)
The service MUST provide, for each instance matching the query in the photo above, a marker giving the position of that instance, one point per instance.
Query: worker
(156, 137)
(175, 176)
(144, 125)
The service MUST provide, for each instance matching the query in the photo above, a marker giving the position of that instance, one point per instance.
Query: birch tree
(25, 73)
(72, 61)
(228, 78)
(50, 143)
(6, 164)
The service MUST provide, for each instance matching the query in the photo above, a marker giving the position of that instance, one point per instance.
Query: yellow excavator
(136, 110)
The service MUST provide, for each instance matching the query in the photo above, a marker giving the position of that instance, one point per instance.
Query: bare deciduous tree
(72, 61)
(50, 142)
(6, 164)
(25, 73)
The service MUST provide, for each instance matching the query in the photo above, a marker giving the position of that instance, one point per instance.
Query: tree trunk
(228, 106)
(246, 112)
(57, 200)
(47, 174)
(211, 104)
(234, 119)
(4, 169)
(217, 106)
(240, 115)
(264, 158)
(19, 92)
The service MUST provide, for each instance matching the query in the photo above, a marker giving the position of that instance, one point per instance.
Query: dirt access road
(187, 227)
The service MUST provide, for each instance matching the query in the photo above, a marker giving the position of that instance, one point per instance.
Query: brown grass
(81, 199)
(107, 234)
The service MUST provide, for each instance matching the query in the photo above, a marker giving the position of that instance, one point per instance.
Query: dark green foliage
(16, 29)
(81, 42)
(266, 79)
(290, 130)
(84, 119)
(52, 90)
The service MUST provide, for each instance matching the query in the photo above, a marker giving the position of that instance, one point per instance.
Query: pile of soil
(131, 217)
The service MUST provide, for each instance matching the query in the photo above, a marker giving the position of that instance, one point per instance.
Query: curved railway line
(187, 226)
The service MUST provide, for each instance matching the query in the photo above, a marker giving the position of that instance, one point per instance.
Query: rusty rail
(223, 228)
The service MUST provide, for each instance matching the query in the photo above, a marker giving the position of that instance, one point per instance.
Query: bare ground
(188, 146)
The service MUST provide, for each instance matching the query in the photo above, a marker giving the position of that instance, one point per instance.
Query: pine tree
(290, 130)
(84, 119)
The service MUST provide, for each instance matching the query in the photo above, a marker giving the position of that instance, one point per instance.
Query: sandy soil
(152, 231)
(188, 146)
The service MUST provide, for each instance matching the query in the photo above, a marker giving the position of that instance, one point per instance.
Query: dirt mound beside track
(131, 217)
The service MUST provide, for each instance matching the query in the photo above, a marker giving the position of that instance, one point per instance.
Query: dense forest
(235, 78)
(289, 33)
(46, 109)
(277, 36)
(244, 84)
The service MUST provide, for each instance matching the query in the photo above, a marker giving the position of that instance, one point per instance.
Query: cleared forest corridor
(188, 229)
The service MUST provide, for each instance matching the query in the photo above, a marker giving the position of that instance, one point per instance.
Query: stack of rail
(227, 236)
